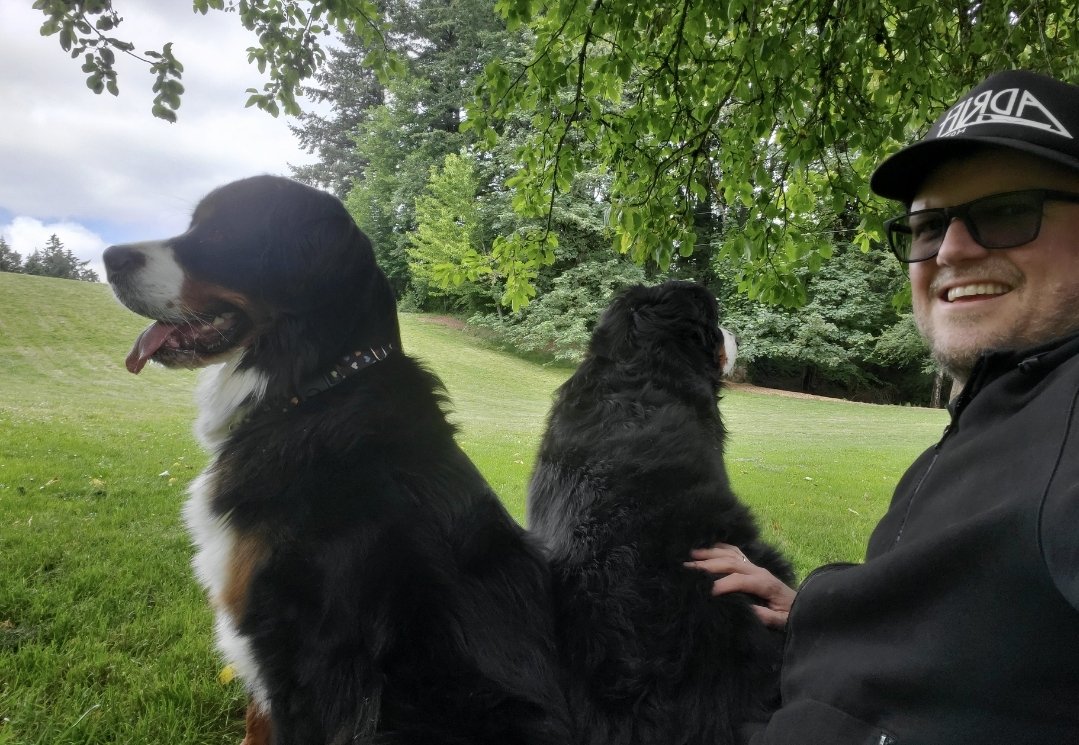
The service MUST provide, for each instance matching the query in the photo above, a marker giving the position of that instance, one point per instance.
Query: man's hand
(742, 575)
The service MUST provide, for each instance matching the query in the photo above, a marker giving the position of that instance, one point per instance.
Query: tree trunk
(938, 386)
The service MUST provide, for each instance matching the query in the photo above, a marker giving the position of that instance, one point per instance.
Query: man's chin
(956, 351)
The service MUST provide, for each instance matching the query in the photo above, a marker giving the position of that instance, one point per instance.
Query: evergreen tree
(56, 261)
(418, 123)
(10, 261)
(353, 90)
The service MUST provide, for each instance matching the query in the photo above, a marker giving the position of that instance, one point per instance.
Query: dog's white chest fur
(224, 393)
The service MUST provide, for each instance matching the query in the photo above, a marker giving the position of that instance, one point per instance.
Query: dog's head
(676, 322)
(270, 271)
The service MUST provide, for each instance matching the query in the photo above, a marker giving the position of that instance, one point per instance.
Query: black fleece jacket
(962, 624)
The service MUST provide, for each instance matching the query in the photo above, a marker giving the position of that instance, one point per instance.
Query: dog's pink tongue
(146, 345)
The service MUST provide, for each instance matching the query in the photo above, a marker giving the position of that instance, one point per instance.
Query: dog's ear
(615, 332)
(335, 272)
(324, 257)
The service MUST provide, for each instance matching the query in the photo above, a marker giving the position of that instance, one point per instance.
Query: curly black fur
(630, 477)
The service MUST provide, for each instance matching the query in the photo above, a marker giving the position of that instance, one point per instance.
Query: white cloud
(102, 166)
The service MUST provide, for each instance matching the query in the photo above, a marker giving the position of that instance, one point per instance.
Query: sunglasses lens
(917, 236)
(927, 230)
(1006, 221)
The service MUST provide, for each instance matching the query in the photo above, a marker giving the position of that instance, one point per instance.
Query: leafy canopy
(762, 109)
(704, 105)
(289, 48)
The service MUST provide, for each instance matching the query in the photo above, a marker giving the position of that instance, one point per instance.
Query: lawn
(104, 635)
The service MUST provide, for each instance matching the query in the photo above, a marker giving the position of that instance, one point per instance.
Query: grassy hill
(104, 636)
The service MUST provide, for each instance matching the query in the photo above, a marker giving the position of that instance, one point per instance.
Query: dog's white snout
(146, 278)
(730, 352)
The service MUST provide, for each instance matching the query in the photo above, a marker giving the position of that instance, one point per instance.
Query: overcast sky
(98, 169)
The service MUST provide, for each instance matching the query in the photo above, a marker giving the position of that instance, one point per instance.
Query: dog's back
(630, 477)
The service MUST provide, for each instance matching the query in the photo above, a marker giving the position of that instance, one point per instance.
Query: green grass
(104, 635)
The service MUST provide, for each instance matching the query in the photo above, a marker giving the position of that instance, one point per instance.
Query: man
(962, 624)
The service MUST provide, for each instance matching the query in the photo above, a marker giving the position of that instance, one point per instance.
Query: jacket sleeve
(1060, 514)
(814, 723)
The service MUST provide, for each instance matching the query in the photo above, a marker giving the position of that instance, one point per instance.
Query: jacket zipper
(918, 486)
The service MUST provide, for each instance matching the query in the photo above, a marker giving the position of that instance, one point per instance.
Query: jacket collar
(1034, 361)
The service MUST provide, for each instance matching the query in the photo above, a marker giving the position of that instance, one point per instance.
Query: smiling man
(962, 624)
(970, 297)
(999, 170)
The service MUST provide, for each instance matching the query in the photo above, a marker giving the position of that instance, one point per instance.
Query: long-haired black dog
(368, 586)
(630, 477)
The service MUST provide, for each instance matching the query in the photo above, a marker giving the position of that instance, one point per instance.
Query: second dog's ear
(614, 332)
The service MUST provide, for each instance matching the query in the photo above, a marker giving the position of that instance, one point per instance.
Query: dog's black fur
(630, 477)
(384, 593)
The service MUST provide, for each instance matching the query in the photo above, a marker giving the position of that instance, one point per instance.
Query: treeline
(51, 261)
(437, 203)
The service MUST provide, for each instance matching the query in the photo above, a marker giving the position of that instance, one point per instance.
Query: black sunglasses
(997, 221)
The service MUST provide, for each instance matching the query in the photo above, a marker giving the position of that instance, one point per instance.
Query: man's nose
(958, 244)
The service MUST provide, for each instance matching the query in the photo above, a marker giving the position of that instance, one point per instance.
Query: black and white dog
(630, 477)
(367, 584)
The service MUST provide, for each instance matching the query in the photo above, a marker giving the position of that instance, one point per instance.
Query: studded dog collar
(344, 368)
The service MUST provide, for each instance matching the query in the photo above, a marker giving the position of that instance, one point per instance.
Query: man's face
(969, 299)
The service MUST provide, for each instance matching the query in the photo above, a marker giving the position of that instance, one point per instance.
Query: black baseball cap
(1017, 110)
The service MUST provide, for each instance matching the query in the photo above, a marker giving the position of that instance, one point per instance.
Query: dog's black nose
(120, 259)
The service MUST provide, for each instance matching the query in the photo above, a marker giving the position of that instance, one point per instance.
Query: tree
(10, 261)
(559, 323)
(747, 104)
(848, 339)
(353, 90)
(691, 105)
(289, 49)
(399, 146)
(397, 143)
(446, 249)
(572, 289)
(56, 261)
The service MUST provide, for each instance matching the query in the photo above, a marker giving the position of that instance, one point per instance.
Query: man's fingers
(720, 559)
(773, 618)
(719, 565)
(777, 597)
(741, 575)
(752, 584)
